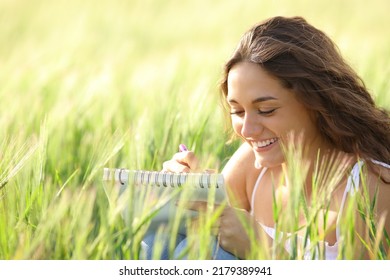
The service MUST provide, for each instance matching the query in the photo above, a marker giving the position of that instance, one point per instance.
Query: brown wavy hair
(307, 62)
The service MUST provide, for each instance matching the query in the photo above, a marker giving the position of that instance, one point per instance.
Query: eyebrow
(257, 100)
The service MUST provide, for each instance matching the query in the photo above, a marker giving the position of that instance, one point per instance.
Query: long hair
(307, 62)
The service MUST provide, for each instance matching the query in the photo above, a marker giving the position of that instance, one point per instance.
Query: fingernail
(210, 171)
(182, 148)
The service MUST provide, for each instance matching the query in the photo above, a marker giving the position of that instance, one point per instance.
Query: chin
(269, 163)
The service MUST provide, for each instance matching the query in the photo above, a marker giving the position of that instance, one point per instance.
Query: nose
(251, 126)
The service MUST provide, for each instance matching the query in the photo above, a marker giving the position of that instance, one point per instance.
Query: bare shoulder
(242, 156)
(238, 174)
(378, 183)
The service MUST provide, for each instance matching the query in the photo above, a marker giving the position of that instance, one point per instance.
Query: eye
(237, 113)
(267, 112)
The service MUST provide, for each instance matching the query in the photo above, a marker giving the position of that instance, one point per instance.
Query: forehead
(250, 79)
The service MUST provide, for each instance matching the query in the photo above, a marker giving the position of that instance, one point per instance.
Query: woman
(286, 84)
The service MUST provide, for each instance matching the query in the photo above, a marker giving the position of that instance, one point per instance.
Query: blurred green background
(91, 65)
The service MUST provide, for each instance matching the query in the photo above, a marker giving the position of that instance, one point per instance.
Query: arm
(378, 189)
(239, 232)
(239, 173)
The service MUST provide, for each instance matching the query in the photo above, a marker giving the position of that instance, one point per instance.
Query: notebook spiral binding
(163, 179)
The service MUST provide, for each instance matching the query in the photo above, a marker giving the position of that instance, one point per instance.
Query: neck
(321, 164)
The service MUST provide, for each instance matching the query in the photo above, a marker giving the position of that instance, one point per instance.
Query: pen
(182, 148)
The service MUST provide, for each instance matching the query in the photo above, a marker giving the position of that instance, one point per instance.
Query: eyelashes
(268, 112)
(260, 112)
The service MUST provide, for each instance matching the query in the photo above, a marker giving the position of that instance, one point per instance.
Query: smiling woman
(264, 112)
(286, 86)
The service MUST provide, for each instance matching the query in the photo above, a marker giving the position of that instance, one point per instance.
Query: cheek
(300, 130)
(236, 125)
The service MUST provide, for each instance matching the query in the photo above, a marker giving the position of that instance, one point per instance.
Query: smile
(265, 143)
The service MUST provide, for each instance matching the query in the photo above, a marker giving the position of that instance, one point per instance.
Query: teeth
(265, 143)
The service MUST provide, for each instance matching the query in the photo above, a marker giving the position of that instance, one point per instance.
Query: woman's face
(265, 114)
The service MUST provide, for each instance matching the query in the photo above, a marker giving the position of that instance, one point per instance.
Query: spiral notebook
(201, 187)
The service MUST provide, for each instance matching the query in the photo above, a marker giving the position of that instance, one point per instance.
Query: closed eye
(260, 112)
(268, 112)
(238, 113)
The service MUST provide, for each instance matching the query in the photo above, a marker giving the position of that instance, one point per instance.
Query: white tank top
(331, 251)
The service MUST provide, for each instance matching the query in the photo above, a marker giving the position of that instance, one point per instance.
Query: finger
(199, 206)
(213, 226)
(187, 158)
(174, 166)
(210, 171)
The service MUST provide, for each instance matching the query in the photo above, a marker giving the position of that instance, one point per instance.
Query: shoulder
(243, 156)
(379, 170)
(239, 173)
(378, 185)
(372, 205)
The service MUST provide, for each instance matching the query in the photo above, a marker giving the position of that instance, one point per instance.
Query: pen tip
(182, 148)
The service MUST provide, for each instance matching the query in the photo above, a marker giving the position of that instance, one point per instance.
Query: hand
(184, 161)
(234, 228)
